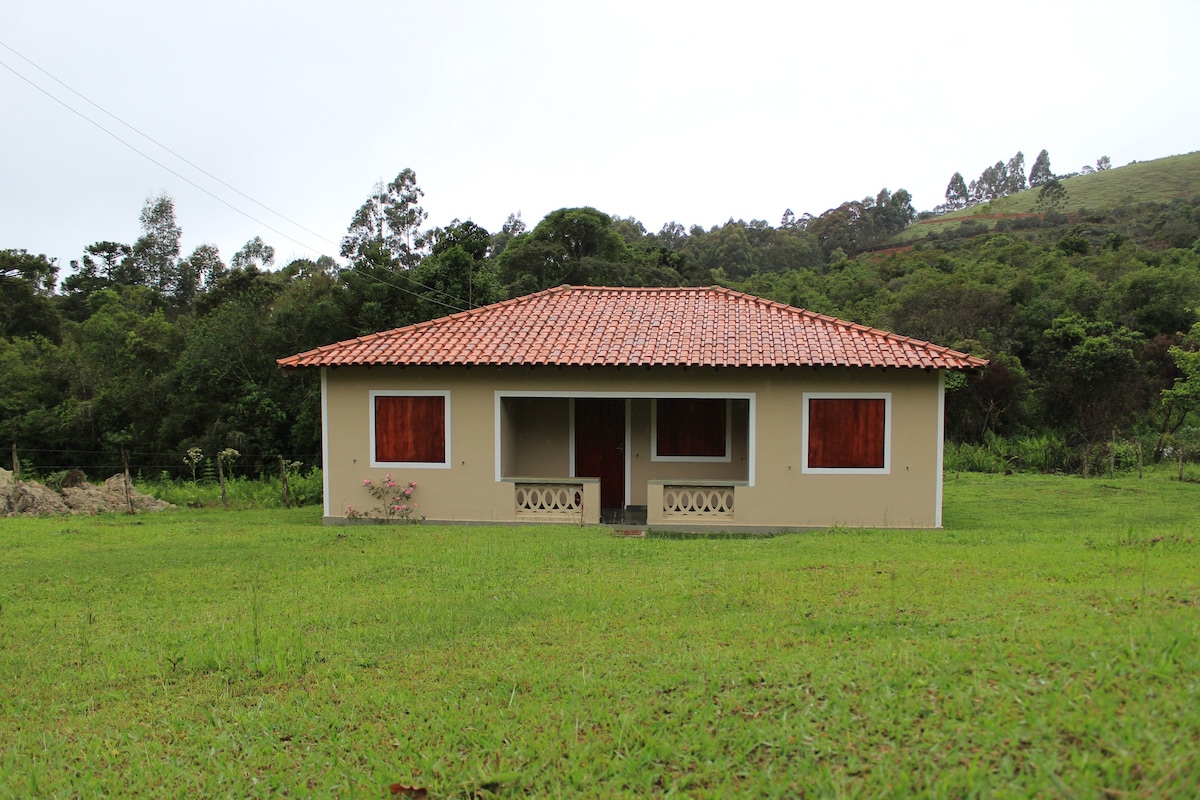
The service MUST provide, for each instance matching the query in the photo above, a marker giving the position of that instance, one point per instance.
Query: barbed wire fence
(98, 465)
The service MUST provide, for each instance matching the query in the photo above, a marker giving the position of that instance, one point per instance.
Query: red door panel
(600, 446)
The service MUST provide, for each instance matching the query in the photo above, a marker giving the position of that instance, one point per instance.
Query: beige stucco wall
(537, 437)
(781, 495)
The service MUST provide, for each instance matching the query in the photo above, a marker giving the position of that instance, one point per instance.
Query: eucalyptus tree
(1040, 172)
(390, 220)
(156, 251)
(254, 253)
(957, 195)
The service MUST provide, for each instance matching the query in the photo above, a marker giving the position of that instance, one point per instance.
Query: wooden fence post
(16, 467)
(128, 484)
(221, 480)
(287, 501)
(1112, 456)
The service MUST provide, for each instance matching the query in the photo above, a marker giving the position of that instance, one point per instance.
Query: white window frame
(886, 469)
(445, 464)
(725, 459)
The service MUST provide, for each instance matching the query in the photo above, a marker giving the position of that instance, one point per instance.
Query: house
(699, 407)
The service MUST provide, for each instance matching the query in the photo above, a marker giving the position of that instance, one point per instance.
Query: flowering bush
(395, 502)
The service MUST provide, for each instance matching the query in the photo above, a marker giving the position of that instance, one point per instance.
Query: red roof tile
(599, 326)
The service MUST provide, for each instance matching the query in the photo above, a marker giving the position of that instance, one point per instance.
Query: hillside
(1160, 181)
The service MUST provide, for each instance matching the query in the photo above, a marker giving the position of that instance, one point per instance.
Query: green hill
(1158, 181)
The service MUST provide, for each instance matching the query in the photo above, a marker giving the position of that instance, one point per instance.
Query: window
(690, 429)
(410, 429)
(847, 433)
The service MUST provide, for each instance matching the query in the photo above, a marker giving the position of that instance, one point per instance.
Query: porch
(658, 459)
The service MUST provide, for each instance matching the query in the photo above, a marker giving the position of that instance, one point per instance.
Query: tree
(121, 367)
(1040, 172)
(570, 245)
(448, 274)
(156, 252)
(1087, 372)
(1103, 163)
(26, 285)
(673, 236)
(957, 195)
(989, 400)
(891, 213)
(1183, 397)
(455, 276)
(206, 262)
(513, 226)
(390, 220)
(990, 183)
(1051, 196)
(254, 253)
(1015, 174)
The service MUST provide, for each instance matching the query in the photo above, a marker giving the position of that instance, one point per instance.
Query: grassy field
(1158, 181)
(1046, 643)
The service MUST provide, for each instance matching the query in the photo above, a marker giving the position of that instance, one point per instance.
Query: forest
(1089, 316)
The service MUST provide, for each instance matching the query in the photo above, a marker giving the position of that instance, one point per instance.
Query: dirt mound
(32, 499)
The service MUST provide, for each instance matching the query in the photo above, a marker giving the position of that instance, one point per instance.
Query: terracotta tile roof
(595, 326)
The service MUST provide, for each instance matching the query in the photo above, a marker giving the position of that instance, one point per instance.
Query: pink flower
(366, 482)
(408, 492)
(396, 508)
(412, 484)
(403, 508)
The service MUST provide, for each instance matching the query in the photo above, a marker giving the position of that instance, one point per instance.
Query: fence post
(1112, 456)
(287, 501)
(221, 480)
(128, 485)
(16, 467)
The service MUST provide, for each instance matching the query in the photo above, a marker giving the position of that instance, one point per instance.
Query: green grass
(1158, 181)
(1046, 643)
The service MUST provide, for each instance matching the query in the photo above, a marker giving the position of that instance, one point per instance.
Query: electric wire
(219, 199)
(365, 274)
(150, 138)
(153, 160)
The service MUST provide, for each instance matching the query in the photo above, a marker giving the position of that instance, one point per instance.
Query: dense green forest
(1087, 314)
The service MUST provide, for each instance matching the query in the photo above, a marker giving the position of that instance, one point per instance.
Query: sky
(276, 119)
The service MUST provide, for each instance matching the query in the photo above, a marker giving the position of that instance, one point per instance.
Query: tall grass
(242, 492)
(1047, 454)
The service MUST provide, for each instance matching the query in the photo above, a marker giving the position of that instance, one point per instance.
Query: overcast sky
(692, 112)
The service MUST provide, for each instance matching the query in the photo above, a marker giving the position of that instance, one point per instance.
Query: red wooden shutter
(410, 428)
(845, 433)
(689, 426)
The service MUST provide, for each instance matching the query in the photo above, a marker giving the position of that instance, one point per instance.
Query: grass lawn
(1046, 643)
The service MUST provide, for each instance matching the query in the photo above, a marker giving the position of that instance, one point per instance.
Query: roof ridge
(680, 325)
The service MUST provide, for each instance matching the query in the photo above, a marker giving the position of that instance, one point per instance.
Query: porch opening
(625, 443)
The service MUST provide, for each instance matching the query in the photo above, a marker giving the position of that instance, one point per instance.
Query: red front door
(600, 446)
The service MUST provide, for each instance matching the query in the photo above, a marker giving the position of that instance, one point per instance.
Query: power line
(366, 274)
(155, 161)
(150, 138)
(210, 175)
